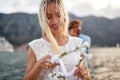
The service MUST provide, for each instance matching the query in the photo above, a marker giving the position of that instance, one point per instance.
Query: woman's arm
(33, 68)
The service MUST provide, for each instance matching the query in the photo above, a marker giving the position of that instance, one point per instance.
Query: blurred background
(19, 25)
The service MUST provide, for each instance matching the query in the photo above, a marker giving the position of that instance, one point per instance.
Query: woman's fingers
(55, 64)
(87, 77)
(77, 72)
(49, 65)
(82, 72)
(45, 63)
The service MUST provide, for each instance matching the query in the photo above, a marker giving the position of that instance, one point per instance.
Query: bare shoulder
(31, 54)
(35, 41)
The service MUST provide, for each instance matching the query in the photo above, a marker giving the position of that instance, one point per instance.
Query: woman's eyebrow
(51, 13)
(57, 13)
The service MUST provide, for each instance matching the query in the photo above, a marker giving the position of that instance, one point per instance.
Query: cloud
(69, 4)
(78, 7)
(82, 9)
(86, 9)
(109, 11)
(28, 6)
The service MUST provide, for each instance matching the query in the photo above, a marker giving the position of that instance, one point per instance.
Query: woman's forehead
(52, 8)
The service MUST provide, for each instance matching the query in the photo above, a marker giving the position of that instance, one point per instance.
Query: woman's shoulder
(75, 39)
(36, 41)
(38, 46)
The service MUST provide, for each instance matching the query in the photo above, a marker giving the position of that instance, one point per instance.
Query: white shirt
(41, 47)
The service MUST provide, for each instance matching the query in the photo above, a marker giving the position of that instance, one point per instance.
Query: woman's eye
(58, 16)
(49, 17)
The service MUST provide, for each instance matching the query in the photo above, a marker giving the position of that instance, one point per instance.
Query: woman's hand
(82, 72)
(45, 63)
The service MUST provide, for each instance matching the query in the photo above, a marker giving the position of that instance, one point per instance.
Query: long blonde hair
(46, 32)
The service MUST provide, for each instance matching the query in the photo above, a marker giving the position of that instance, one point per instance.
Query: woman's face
(53, 18)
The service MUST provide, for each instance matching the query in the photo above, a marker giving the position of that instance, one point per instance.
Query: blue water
(12, 65)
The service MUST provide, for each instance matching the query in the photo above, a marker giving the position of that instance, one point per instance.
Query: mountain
(103, 31)
(20, 28)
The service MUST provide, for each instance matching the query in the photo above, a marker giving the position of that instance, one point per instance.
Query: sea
(104, 64)
(12, 65)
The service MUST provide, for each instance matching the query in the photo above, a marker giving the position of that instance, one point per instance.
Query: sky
(81, 8)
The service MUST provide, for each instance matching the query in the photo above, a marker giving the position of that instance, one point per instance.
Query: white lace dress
(41, 48)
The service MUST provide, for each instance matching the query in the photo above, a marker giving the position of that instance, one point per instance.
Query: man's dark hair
(72, 22)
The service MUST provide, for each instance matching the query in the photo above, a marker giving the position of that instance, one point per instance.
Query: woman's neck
(61, 39)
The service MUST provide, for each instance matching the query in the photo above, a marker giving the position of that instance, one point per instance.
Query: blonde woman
(54, 25)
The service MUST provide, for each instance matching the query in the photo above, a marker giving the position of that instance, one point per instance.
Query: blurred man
(75, 28)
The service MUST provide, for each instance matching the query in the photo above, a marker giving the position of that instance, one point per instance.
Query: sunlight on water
(104, 65)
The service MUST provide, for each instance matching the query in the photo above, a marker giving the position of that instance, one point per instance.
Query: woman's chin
(55, 30)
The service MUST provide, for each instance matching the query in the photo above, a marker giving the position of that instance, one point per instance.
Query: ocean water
(12, 65)
(104, 65)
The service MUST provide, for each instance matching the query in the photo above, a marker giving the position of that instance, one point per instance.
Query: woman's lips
(55, 25)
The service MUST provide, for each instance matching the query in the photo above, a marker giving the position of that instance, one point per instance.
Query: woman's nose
(54, 20)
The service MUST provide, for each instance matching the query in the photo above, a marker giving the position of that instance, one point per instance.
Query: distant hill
(20, 28)
(103, 31)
